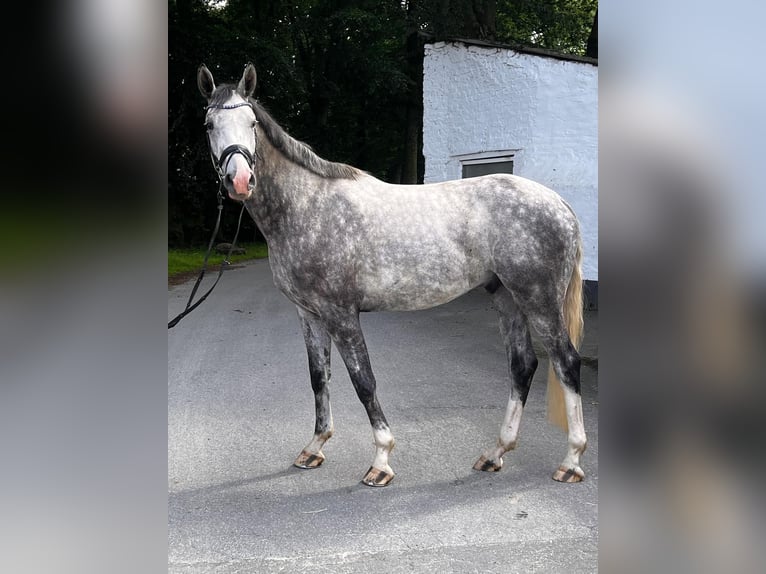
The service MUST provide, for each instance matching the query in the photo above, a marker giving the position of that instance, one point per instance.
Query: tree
(559, 25)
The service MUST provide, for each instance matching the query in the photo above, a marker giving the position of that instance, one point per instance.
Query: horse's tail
(573, 315)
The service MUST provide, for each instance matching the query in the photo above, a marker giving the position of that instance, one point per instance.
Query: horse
(342, 242)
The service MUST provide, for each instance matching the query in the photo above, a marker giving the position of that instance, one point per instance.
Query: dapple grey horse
(342, 242)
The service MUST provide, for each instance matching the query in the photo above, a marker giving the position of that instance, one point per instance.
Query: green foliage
(559, 25)
(342, 75)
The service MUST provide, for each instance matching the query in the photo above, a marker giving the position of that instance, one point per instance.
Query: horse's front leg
(346, 332)
(318, 348)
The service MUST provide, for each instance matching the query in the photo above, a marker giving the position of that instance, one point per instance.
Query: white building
(488, 109)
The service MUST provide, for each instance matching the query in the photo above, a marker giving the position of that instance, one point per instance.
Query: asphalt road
(240, 409)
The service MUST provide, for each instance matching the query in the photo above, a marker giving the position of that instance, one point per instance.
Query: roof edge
(543, 52)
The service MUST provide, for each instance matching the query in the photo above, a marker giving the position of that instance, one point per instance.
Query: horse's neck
(283, 194)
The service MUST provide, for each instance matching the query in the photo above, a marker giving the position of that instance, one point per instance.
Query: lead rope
(225, 263)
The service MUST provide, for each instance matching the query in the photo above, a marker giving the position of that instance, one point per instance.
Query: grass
(183, 261)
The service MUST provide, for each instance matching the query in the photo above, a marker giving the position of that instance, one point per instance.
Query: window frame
(496, 156)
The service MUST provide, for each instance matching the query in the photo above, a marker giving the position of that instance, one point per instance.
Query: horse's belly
(412, 292)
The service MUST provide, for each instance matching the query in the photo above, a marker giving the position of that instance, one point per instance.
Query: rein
(220, 166)
(225, 263)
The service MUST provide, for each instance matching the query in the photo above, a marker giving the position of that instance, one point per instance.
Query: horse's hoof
(487, 465)
(377, 477)
(568, 474)
(309, 460)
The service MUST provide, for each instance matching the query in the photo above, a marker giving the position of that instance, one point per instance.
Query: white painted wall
(479, 99)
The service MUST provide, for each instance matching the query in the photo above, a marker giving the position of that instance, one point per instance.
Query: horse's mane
(294, 150)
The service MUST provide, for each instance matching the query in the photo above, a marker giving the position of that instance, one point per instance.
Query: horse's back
(481, 210)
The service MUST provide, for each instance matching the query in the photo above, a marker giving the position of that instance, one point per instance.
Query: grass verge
(182, 262)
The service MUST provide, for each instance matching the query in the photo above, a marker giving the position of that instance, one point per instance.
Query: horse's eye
(253, 124)
(208, 126)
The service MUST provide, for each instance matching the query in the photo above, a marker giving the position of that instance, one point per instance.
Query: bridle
(219, 165)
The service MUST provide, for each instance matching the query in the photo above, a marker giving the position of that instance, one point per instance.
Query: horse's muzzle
(239, 179)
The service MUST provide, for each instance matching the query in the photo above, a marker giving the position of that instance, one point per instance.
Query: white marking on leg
(576, 438)
(384, 444)
(509, 431)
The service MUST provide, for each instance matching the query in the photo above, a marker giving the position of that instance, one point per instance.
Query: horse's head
(230, 123)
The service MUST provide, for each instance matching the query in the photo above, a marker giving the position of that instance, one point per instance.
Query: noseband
(220, 163)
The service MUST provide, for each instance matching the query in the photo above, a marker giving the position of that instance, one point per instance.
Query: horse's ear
(246, 85)
(205, 81)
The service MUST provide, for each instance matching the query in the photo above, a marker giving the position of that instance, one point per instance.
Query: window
(474, 165)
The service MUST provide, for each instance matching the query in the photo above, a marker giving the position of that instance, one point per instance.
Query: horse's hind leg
(522, 363)
(318, 348)
(566, 364)
(347, 335)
